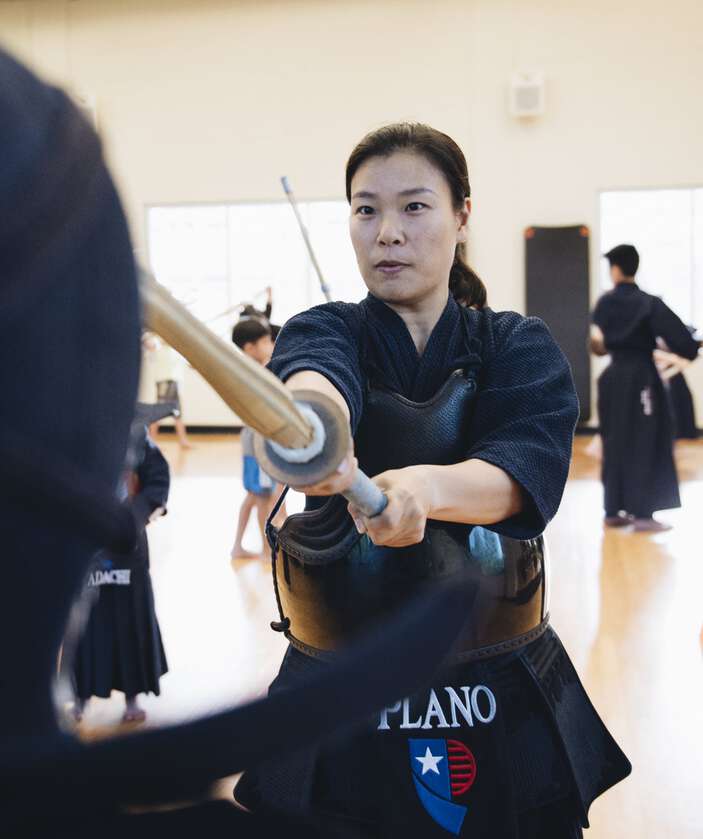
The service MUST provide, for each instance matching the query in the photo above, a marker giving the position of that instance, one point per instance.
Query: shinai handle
(364, 494)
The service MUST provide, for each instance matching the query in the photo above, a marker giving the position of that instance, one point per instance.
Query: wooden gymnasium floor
(629, 608)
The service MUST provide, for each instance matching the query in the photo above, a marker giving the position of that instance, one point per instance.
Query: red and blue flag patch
(443, 771)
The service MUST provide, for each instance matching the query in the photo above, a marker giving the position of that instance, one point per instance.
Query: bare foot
(134, 715)
(238, 552)
(77, 711)
(650, 526)
(617, 521)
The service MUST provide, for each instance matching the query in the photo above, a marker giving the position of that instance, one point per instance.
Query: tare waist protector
(333, 584)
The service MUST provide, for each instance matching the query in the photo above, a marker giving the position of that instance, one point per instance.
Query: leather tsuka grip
(366, 495)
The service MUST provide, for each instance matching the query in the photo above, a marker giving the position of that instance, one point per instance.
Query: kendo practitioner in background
(638, 470)
(69, 367)
(169, 369)
(250, 311)
(253, 336)
(465, 418)
(683, 412)
(121, 647)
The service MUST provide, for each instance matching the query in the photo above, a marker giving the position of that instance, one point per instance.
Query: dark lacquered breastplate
(333, 584)
(395, 432)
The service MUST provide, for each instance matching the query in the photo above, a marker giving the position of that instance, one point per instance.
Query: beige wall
(207, 100)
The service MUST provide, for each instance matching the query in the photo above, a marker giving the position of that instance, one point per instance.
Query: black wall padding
(557, 290)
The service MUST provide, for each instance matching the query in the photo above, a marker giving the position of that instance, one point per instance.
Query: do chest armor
(333, 583)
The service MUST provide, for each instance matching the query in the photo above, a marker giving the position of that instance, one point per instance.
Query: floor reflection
(627, 606)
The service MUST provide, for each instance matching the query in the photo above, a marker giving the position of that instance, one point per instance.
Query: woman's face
(404, 228)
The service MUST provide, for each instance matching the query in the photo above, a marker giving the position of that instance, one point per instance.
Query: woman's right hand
(338, 481)
(341, 479)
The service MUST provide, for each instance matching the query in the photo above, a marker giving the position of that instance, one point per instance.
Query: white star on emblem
(429, 762)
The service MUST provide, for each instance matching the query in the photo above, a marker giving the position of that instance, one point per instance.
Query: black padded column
(557, 290)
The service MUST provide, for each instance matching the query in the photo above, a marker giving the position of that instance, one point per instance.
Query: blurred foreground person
(69, 359)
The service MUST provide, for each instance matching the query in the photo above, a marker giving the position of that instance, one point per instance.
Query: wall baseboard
(203, 429)
(587, 430)
(581, 430)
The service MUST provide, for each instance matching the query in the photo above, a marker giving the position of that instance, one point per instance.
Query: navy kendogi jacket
(548, 745)
(631, 320)
(638, 470)
(526, 407)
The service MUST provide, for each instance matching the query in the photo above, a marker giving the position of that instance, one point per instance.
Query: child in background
(250, 311)
(253, 336)
(167, 368)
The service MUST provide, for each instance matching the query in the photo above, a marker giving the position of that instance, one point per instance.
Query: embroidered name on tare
(646, 401)
(115, 577)
(465, 706)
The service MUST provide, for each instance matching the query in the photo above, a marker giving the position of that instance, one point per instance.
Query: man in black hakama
(682, 408)
(683, 412)
(638, 472)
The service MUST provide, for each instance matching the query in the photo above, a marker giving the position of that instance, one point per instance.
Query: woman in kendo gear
(465, 417)
(638, 470)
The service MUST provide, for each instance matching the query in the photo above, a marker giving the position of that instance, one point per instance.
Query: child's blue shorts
(254, 478)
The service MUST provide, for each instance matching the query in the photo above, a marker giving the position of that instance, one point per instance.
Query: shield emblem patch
(442, 771)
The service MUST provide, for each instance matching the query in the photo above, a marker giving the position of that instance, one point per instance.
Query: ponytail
(465, 286)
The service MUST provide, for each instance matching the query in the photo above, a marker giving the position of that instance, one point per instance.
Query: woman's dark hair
(465, 285)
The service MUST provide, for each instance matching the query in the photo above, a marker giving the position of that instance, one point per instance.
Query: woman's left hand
(403, 521)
